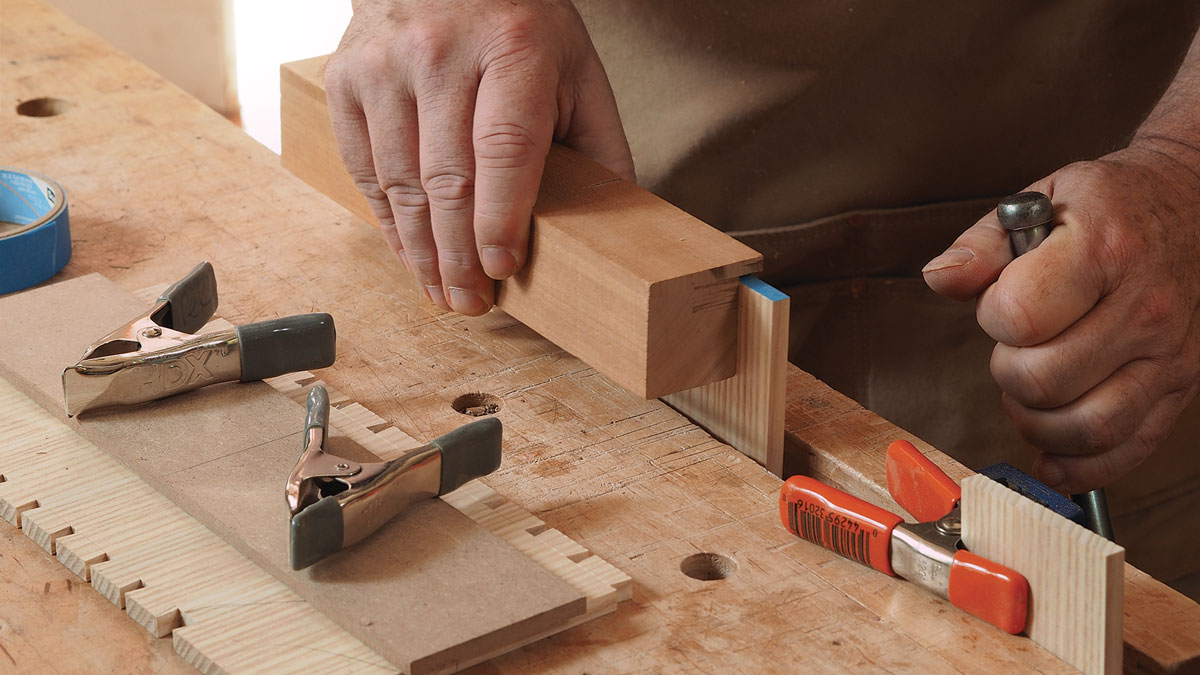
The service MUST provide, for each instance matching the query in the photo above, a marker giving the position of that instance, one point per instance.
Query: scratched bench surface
(157, 182)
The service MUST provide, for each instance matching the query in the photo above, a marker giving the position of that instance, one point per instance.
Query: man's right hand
(444, 111)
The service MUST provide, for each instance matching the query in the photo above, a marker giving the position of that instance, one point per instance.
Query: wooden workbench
(157, 182)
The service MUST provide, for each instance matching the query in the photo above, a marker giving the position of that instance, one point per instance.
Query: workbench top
(158, 182)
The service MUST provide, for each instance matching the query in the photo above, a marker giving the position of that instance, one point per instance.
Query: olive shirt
(853, 142)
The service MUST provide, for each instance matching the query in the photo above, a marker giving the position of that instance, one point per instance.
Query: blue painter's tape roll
(35, 236)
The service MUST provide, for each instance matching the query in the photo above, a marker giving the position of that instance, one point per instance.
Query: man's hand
(444, 111)
(1097, 329)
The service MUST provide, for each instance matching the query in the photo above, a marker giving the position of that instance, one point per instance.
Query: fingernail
(438, 297)
(1050, 473)
(467, 302)
(955, 257)
(498, 262)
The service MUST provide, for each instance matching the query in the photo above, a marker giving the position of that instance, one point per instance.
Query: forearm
(1173, 126)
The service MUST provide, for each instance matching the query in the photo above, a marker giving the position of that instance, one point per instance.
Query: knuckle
(1115, 249)
(368, 185)
(407, 198)
(449, 189)
(429, 41)
(1096, 432)
(423, 263)
(422, 257)
(456, 257)
(377, 200)
(1100, 429)
(1013, 318)
(1034, 386)
(503, 145)
(334, 77)
(1156, 310)
(515, 36)
(370, 63)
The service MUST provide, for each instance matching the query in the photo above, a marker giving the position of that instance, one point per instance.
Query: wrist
(1180, 150)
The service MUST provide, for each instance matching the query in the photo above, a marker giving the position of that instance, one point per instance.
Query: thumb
(972, 263)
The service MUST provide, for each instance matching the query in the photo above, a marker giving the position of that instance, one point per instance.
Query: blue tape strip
(763, 288)
(36, 242)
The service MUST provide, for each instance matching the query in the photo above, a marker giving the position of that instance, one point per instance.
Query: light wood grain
(633, 286)
(1075, 575)
(746, 410)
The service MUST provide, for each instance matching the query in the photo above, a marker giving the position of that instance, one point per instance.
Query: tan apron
(852, 142)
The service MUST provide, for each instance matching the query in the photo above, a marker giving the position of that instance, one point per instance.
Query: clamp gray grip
(469, 452)
(191, 301)
(317, 532)
(318, 409)
(278, 346)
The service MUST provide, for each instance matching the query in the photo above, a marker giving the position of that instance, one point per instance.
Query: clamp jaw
(157, 354)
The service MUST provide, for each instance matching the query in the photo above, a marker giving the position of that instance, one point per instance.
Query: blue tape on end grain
(35, 236)
(763, 288)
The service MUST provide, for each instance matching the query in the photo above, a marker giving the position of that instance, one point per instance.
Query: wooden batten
(746, 410)
(1075, 575)
(633, 286)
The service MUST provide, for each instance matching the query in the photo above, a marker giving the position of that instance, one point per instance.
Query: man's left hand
(1097, 329)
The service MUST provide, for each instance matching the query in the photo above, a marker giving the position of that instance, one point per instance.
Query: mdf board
(630, 284)
(429, 590)
(143, 554)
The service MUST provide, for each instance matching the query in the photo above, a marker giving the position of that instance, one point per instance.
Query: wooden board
(434, 588)
(746, 410)
(629, 479)
(658, 322)
(1075, 585)
(49, 620)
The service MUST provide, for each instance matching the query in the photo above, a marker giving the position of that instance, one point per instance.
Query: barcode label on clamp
(846, 538)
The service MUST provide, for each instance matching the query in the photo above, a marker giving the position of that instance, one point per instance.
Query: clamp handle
(190, 302)
(918, 485)
(317, 410)
(286, 345)
(842, 523)
(469, 452)
(990, 591)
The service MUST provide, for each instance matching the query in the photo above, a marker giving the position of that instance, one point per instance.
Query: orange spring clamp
(929, 553)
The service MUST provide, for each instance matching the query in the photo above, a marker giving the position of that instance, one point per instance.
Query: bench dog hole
(43, 107)
(708, 566)
(478, 404)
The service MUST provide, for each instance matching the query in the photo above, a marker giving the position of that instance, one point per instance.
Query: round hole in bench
(708, 566)
(477, 404)
(43, 107)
